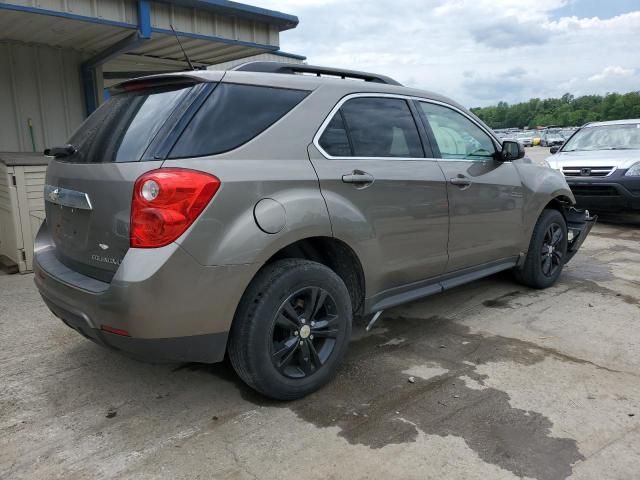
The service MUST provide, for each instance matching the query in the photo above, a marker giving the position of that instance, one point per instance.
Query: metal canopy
(134, 36)
(64, 32)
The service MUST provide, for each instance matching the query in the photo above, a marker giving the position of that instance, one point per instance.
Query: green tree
(566, 111)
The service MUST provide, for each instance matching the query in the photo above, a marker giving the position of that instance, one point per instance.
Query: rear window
(231, 116)
(122, 128)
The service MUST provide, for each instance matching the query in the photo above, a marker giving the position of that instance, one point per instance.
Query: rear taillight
(166, 202)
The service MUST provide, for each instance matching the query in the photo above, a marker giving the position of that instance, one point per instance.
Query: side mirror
(511, 150)
(553, 150)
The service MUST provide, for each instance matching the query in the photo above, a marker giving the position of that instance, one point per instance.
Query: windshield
(605, 137)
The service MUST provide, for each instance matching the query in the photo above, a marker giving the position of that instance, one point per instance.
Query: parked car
(525, 139)
(255, 212)
(551, 139)
(566, 133)
(535, 138)
(601, 163)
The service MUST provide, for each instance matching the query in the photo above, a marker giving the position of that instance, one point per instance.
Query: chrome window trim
(346, 98)
(67, 198)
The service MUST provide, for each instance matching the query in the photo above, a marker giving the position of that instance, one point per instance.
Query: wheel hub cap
(305, 331)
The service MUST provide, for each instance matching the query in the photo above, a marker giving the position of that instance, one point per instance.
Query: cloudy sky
(476, 51)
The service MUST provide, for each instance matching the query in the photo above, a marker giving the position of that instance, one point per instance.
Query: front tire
(547, 251)
(291, 329)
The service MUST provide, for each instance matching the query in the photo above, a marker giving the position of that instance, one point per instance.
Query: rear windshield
(231, 116)
(122, 128)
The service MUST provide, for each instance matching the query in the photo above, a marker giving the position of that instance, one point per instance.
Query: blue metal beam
(89, 89)
(213, 38)
(126, 44)
(118, 48)
(144, 19)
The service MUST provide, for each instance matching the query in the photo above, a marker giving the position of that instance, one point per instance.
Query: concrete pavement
(509, 383)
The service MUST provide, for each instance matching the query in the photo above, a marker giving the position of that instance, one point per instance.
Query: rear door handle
(460, 181)
(358, 177)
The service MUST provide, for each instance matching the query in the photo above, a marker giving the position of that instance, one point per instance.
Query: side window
(373, 127)
(232, 115)
(458, 138)
(335, 140)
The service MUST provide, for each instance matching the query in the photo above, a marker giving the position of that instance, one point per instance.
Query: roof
(280, 53)
(284, 20)
(211, 31)
(307, 82)
(11, 159)
(629, 121)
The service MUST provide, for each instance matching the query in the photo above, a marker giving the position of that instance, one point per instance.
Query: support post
(88, 68)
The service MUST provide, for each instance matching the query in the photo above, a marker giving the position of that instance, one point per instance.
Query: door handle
(358, 177)
(460, 181)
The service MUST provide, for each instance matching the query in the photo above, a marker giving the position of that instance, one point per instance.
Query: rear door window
(231, 116)
(373, 127)
(123, 127)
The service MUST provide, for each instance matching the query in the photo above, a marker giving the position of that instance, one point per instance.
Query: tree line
(566, 111)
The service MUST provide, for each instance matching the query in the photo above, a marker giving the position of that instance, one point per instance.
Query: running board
(415, 291)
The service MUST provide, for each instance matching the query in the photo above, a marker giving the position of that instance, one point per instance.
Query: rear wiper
(61, 152)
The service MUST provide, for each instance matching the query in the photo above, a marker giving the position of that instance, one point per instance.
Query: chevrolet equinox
(256, 212)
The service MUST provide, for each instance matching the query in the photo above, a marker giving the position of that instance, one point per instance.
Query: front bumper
(615, 192)
(579, 224)
(172, 308)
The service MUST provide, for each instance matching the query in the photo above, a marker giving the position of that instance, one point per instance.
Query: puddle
(373, 403)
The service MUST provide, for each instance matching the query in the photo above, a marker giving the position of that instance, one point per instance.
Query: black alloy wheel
(547, 251)
(291, 329)
(304, 332)
(552, 255)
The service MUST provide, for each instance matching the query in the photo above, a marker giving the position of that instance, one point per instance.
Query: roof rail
(295, 68)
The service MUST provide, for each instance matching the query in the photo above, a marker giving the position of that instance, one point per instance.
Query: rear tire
(291, 329)
(547, 251)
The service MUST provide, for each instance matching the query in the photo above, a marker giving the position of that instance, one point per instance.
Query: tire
(542, 267)
(277, 327)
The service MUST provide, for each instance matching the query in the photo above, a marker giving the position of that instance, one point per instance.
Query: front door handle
(460, 181)
(358, 177)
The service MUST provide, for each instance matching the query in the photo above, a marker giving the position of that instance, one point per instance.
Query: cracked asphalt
(508, 383)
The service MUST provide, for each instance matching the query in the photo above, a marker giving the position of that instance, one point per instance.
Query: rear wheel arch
(335, 254)
(331, 252)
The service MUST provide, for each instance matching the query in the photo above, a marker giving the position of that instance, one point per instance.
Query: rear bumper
(172, 308)
(208, 348)
(612, 193)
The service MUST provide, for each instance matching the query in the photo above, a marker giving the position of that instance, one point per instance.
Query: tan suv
(257, 211)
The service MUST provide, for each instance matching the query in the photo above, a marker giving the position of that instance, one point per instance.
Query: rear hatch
(88, 192)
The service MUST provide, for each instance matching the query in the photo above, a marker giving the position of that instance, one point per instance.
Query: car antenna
(182, 48)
